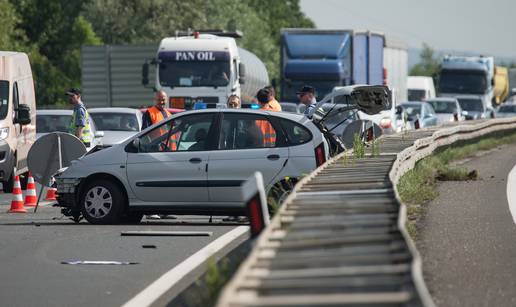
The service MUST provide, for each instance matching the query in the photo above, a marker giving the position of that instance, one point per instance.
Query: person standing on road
(306, 96)
(275, 105)
(269, 134)
(154, 115)
(80, 124)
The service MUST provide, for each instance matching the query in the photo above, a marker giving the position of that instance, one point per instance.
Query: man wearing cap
(307, 97)
(80, 124)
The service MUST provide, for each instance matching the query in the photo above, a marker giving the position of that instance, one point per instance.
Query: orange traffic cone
(30, 198)
(51, 194)
(17, 202)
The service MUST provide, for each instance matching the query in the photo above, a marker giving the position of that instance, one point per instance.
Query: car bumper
(67, 191)
(6, 160)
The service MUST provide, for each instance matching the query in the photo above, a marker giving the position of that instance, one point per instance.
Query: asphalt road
(467, 237)
(34, 245)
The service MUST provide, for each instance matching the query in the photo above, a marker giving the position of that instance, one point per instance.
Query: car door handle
(273, 157)
(195, 160)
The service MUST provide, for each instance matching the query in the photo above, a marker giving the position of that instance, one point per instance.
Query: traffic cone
(31, 198)
(17, 202)
(51, 194)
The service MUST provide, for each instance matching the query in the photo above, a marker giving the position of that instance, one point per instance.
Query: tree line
(53, 31)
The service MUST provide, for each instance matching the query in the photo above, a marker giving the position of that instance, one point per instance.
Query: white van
(420, 88)
(17, 116)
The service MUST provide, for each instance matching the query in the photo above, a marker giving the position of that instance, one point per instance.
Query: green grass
(358, 147)
(418, 186)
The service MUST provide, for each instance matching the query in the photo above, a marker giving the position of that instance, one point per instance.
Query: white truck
(17, 117)
(470, 78)
(420, 88)
(205, 69)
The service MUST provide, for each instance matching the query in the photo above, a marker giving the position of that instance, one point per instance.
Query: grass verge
(418, 186)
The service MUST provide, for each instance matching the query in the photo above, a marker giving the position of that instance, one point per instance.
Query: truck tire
(102, 202)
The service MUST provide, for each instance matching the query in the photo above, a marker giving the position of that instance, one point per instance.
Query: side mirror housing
(241, 73)
(371, 99)
(145, 74)
(133, 146)
(22, 115)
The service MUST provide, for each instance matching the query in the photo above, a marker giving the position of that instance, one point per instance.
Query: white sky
(485, 27)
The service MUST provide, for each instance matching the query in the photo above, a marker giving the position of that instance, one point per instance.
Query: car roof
(114, 110)
(54, 112)
(291, 116)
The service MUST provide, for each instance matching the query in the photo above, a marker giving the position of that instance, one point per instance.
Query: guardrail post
(255, 200)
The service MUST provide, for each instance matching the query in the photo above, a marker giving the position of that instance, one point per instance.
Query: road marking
(159, 287)
(511, 192)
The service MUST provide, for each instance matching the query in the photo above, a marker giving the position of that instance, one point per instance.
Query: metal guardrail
(339, 239)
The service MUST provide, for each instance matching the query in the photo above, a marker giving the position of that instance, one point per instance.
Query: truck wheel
(8, 185)
(101, 202)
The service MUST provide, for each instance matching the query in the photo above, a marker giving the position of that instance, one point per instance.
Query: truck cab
(203, 70)
(17, 116)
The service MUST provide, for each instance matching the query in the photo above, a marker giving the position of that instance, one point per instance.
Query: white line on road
(155, 290)
(511, 192)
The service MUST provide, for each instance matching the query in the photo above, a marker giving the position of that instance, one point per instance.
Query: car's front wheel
(101, 202)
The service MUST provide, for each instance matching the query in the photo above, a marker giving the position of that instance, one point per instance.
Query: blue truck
(326, 59)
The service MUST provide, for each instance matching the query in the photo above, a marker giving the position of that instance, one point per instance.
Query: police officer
(80, 124)
(306, 96)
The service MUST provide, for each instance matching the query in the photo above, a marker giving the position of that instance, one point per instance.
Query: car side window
(296, 133)
(185, 133)
(246, 131)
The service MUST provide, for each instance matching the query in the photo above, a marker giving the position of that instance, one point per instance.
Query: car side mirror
(23, 115)
(241, 70)
(133, 146)
(145, 74)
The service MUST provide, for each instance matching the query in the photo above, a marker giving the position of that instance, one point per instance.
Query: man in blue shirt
(306, 96)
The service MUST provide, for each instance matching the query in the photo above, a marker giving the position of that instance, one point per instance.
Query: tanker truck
(201, 70)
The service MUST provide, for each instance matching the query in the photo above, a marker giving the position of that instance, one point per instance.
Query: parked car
(474, 108)
(418, 114)
(191, 163)
(506, 110)
(447, 109)
(17, 117)
(54, 120)
(118, 124)
(289, 107)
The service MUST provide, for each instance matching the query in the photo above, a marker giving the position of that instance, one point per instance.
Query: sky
(485, 27)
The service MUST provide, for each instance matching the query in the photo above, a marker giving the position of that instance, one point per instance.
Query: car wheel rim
(98, 202)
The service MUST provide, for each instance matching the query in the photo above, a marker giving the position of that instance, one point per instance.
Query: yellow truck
(500, 85)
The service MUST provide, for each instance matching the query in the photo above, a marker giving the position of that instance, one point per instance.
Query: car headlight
(4, 133)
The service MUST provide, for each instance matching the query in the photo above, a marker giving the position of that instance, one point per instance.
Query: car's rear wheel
(279, 193)
(102, 202)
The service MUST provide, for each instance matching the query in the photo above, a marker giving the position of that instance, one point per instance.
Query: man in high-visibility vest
(272, 98)
(80, 123)
(156, 114)
(269, 134)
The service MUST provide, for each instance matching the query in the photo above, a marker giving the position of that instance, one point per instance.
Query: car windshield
(52, 123)
(416, 95)
(116, 121)
(507, 109)
(471, 104)
(4, 98)
(190, 69)
(443, 106)
(462, 82)
(411, 109)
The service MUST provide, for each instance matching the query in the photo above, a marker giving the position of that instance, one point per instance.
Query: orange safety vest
(269, 134)
(156, 116)
(274, 105)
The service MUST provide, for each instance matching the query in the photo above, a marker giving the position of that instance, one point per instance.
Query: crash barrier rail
(339, 239)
